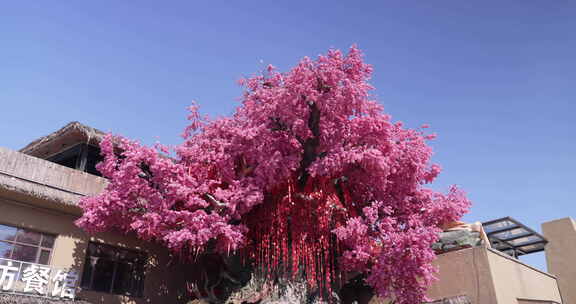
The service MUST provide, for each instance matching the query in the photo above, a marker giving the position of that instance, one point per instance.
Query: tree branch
(216, 204)
(310, 145)
(338, 184)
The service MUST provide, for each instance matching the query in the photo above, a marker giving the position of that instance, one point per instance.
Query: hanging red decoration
(309, 177)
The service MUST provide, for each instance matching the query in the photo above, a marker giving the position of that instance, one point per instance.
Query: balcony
(35, 181)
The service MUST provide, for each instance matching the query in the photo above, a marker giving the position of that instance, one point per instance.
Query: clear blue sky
(496, 80)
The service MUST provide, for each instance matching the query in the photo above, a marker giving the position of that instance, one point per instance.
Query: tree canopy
(308, 177)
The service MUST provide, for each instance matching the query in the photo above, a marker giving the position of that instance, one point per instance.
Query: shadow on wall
(117, 269)
(163, 279)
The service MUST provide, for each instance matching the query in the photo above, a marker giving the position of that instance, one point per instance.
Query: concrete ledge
(38, 178)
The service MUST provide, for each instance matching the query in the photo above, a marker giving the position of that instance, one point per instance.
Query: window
(82, 157)
(113, 270)
(25, 245)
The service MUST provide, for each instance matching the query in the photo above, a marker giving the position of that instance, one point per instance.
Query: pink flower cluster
(315, 124)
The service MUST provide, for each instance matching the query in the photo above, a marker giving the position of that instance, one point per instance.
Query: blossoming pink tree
(309, 177)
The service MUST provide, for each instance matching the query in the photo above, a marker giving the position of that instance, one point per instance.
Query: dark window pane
(91, 251)
(103, 275)
(81, 156)
(89, 265)
(129, 279)
(123, 281)
(68, 158)
(7, 233)
(94, 158)
(5, 250)
(128, 255)
(48, 241)
(102, 251)
(28, 237)
(44, 257)
(69, 161)
(10, 263)
(109, 267)
(24, 253)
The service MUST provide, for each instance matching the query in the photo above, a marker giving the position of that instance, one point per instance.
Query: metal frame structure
(512, 237)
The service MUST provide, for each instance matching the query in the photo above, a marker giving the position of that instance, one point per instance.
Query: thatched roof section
(68, 136)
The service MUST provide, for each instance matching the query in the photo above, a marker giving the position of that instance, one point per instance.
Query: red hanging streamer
(291, 235)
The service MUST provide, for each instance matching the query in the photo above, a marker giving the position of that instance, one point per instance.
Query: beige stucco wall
(487, 276)
(514, 280)
(464, 272)
(70, 247)
(561, 255)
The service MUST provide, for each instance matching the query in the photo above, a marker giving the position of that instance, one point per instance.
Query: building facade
(561, 254)
(486, 275)
(39, 189)
(44, 254)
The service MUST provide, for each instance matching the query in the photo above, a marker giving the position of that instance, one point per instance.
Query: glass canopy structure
(512, 237)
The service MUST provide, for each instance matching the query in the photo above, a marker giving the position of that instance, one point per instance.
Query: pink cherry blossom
(308, 172)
